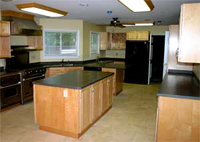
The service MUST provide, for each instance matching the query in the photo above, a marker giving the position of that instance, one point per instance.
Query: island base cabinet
(178, 120)
(71, 112)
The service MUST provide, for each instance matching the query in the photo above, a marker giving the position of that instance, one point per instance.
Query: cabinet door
(110, 91)
(103, 41)
(5, 51)
(189, 51)
(35, 41)
(104, 91)
(131, 35)
(4, 28)
(114, 79)
(96, 101)
(143, 35)
(86, 108)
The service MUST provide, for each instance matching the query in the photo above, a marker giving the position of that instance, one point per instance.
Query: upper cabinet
(137, 35)
(105, 41)
(189, 36)
(35, 41)
(118, 41)
(5, 51)
(4, 28)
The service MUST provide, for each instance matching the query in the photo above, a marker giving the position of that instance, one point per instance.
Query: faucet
(97, 59)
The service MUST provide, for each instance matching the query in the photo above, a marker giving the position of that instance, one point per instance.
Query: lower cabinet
(118, 79)
(71, 112)
(60, 70)
(95, 100)
(178, 120)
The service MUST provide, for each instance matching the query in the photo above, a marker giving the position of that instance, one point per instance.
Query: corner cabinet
(5, 51)
(189, 36)
(137, 35)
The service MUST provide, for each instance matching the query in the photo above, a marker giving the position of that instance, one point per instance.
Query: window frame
(94, 54)
(61, 57)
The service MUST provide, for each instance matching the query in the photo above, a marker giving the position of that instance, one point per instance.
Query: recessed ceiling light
(138, 5)
(41, 10)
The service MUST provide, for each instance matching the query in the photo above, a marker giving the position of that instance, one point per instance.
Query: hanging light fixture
(41, 10)
(138, 5)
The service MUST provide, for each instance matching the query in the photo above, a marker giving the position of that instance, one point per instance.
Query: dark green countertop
(184, 86)
(74, 80)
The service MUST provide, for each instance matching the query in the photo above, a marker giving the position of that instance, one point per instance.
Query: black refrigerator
(137, 62)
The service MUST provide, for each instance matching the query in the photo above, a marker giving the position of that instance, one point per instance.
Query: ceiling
(95, 11)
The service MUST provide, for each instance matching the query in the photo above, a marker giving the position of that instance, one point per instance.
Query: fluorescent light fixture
(41, 10)
(143, 24)
(128, 25)
(138, 5)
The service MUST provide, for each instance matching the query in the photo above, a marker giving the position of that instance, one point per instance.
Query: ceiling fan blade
(120, 26)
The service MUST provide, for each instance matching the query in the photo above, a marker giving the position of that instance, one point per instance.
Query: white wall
(154, 30)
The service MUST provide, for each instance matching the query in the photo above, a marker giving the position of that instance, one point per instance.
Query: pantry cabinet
(137, 35)
(189, 33)
(5, 51)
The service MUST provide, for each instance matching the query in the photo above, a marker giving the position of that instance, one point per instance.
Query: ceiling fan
(116, 23)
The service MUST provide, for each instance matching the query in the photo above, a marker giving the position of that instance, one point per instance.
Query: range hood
(21, 26)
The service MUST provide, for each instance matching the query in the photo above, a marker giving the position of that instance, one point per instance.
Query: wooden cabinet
(105, 41)
(4, 28)
(118, 79)
(60, 70)
(5, 51)
(118, 41)
(71, 112)
(173, 63)
(189, 50)
(35, 41)
(137, 35)
(86, 108)
(96, 100)
(178, 120)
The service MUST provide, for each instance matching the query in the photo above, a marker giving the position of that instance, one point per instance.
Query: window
(94, 43)
(60, 44)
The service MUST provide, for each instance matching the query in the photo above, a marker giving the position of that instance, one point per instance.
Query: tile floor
(131, 119)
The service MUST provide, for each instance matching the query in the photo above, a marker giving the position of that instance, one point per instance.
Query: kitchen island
(69, 104)
(178, 113)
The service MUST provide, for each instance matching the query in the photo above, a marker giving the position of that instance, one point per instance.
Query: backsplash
(2, 63)
(196, 70)
(115, 53)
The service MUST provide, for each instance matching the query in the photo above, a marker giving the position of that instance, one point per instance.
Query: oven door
(10, 95)
(27, 93)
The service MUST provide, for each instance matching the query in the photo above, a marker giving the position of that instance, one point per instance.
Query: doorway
(158, 46)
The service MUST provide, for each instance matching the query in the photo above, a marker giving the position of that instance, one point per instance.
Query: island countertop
(74, 80)
(180, 86)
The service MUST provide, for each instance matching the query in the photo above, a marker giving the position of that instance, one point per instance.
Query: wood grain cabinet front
(189, 33)
(5, 51)
(137, 35)
(105, 41)
(178, 120)
(35, 41)
(4, 28)
(71, 112)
